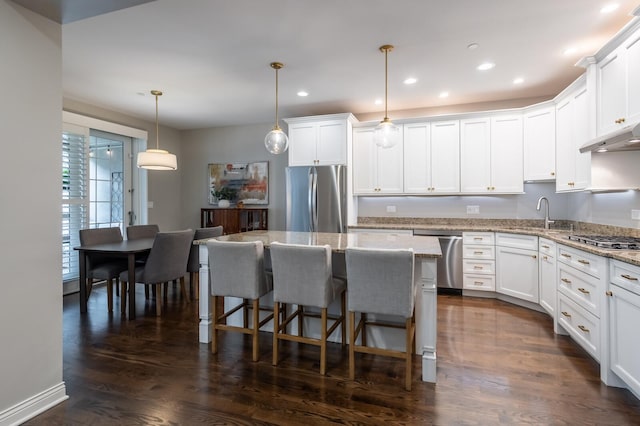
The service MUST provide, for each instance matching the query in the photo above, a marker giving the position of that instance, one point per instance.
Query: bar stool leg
(352, 343)
(256, 326)
(276, 330)
(323, 343)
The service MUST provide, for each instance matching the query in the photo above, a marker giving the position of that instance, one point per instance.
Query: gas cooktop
(608, 241)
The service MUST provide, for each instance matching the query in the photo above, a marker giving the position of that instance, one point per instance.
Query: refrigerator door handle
(313, 189)
(310, 202)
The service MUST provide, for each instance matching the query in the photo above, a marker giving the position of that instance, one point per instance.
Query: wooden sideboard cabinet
(234, 220)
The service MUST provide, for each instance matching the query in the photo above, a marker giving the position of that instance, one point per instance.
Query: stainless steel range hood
(625, 139)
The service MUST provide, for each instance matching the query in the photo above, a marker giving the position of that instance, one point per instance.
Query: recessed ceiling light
(410, 80)
(601, 150)
(569, 51)
(302, 93)
(609, 8)
(473, 46)
(378, 102)
(632, 141)
(486, 66)
(444, 95)
(518, 80)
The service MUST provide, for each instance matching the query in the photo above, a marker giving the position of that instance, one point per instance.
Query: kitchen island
(426, 251)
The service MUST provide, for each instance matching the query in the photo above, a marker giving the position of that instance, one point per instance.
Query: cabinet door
(302, 144)
(445, 156)
(548, 291)
(417, 158)
(582, 177)
(632, 47)
(539, 139)
(390, 168)
(506, 154)
(517, 273)
(475, 156)
(624, 310)
(565, 157)
(331, 147)
(611, 92)
(364, 162)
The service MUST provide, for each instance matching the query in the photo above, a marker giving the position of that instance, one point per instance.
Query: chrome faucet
(547, 221)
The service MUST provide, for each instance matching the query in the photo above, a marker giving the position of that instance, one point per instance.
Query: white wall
(234, 144)
(164, 186)
(30, 177)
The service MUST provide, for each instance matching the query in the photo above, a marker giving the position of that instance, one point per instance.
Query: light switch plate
(635, 214)
(391, 209)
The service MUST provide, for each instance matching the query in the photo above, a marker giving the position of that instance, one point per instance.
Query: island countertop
(422, 246)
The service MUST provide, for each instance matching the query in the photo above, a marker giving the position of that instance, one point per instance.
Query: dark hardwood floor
(497, 364)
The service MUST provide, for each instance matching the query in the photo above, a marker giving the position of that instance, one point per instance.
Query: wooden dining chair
(381, 283)
(302, 276)
(193, 265)
(103, 267)
(167, 261)
(237, 270)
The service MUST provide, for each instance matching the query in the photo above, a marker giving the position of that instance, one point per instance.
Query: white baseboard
(33, 406)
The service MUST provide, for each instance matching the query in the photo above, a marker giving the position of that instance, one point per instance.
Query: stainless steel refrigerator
(316, 199)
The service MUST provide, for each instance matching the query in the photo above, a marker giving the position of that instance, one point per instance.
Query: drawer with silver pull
(583, 327)
(478, 252)
(483, 267)
(478, 238)
(479, 282)
(625, 275)
(547, 247)
(590, 263)
(581, 287)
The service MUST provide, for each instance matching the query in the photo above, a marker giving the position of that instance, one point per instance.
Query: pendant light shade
(276, 140)
(157, 159)
(386, 134)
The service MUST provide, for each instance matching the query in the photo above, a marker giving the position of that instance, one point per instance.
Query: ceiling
(211, 57)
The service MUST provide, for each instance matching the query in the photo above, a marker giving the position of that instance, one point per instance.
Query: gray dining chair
(137, 232)
(193, 265)
(100, 267)
(302, 275)
(237, 270)
(167, 261)
(381, 283)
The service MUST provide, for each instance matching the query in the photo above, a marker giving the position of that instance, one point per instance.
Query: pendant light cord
(277, 126)
(386, 84)
(157, 131)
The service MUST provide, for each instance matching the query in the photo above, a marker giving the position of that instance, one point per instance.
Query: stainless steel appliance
(316, 199)
(608, 241)
(450, 264)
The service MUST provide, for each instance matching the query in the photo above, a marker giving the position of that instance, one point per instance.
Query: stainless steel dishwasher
(450, 264)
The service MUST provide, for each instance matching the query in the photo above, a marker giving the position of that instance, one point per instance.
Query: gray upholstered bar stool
(236, 269)
(381, 282)
(302, 275)
(193, 265)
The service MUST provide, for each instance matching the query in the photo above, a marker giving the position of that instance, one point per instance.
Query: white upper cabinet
(539, 138)
(491, 155)
(619, 87)
(376, 170)
(432, 157)
(573, 169)
(320, 140)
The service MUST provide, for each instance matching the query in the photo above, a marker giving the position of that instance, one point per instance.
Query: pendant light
(157, 159)
(276, 140)
(386, 134)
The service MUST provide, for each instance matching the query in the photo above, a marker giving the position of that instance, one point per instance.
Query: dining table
(128, 249)
(426, 252)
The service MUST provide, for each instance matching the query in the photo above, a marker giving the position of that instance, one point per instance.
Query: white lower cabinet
(517, 266)
(547, 275)
(624, 317)
(581, 288)
(478, 261)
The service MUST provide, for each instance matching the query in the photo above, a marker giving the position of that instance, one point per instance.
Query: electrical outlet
(391, 209)
(473, 209)
(635, 214)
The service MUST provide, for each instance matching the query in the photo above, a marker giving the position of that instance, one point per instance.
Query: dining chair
(381, 283)
(136, 232)
(302, 276)
(237, 270)
(167, 261)
(193, 265)
(100, 267)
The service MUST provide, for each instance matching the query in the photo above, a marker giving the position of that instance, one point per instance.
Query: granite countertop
(560, 236)
(423, 247)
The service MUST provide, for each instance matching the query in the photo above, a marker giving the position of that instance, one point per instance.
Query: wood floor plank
(497, 364)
